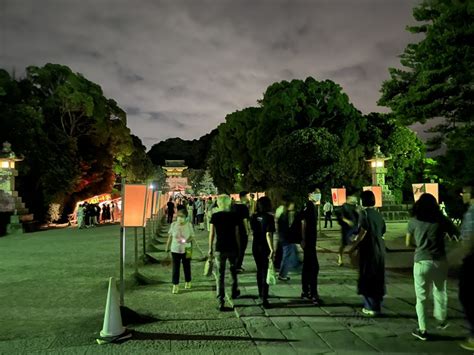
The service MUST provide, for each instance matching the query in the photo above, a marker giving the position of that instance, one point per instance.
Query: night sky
(178, 67)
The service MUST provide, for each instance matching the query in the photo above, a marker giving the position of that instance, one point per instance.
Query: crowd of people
(230, 223)
(92, 214)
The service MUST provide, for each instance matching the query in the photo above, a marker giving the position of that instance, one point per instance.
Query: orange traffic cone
(112, 328)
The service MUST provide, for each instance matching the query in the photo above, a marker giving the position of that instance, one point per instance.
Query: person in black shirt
(263, 227)
(225, 230)
(170, 210)
(242, 212)
(309, 274)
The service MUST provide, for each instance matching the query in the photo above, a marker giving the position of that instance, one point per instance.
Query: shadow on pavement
(129, 316)
(169, 336)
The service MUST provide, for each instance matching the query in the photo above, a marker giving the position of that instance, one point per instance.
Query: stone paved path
(53, 287)
(339, 326)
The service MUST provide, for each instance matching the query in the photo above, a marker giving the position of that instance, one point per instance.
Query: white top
(180, 236)
(327, 207)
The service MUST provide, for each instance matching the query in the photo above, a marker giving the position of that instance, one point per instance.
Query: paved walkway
(53, 287)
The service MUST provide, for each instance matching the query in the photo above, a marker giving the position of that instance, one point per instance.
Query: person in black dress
(263, 227)
(310, 271)
(170, 210)
(371, 247)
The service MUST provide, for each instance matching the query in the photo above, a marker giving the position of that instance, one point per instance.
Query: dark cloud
(178, 67)
(165, 118)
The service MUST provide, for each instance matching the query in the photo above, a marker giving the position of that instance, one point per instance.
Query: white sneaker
(175, 289)
(187, 285)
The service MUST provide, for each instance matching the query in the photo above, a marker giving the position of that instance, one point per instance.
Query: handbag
(271, 277)
(208, 266)
(355, 258)
(189, 252)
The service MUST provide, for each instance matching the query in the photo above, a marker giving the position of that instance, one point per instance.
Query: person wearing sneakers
(426, 231)
(310, 270)
(371, 247)
(263, 227)
(181, 238)
(225, 231)
(466, 285)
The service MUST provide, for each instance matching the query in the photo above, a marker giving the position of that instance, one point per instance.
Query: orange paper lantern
(134, 205)
(338, 196)
(421, 188)
(377, 190)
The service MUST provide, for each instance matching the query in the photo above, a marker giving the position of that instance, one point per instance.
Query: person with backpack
(263, 227)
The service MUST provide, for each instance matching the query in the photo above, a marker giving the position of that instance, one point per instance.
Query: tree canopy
(437, 78)
(73, 138)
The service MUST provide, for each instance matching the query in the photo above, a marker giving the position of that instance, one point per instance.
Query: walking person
(263, 227)
(80, 217)
(180, 243)
(466, 286)
(170, 211)
(200, 213)
(371, 248)
(426, 231)
(310, 271)
(348, 219)
(225, 231)
(208, 211)
(242, 211)
(328, 209)
(285, 215)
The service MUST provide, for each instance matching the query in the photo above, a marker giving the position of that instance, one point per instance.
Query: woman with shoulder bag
(181, 237)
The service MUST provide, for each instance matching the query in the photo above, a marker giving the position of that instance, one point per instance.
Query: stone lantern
(9, 199)
(378, 170)
(7, 170)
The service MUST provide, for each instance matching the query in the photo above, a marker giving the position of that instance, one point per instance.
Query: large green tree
(402, 144)
(304, 133)
(71, 135)
(437, 78)
(229, 159)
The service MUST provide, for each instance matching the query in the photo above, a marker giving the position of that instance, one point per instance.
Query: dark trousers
(221, 259)
(373, 303)
(260, 256)
(466, 290)
(177, 260)
(327, 217)
(244, 240)
(170, 218)
(309, 274)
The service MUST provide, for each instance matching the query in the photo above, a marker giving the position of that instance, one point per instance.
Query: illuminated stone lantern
(9, 199)
(7, 170)
(378, 170)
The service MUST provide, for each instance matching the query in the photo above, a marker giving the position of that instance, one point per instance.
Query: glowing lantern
(377, 190)
(338, 196)
(421, 188)
(134, 205)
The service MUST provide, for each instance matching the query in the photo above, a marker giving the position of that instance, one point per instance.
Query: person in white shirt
(327, 208)
(181, 239)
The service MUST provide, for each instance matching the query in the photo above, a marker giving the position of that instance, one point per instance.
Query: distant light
(152, 186)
